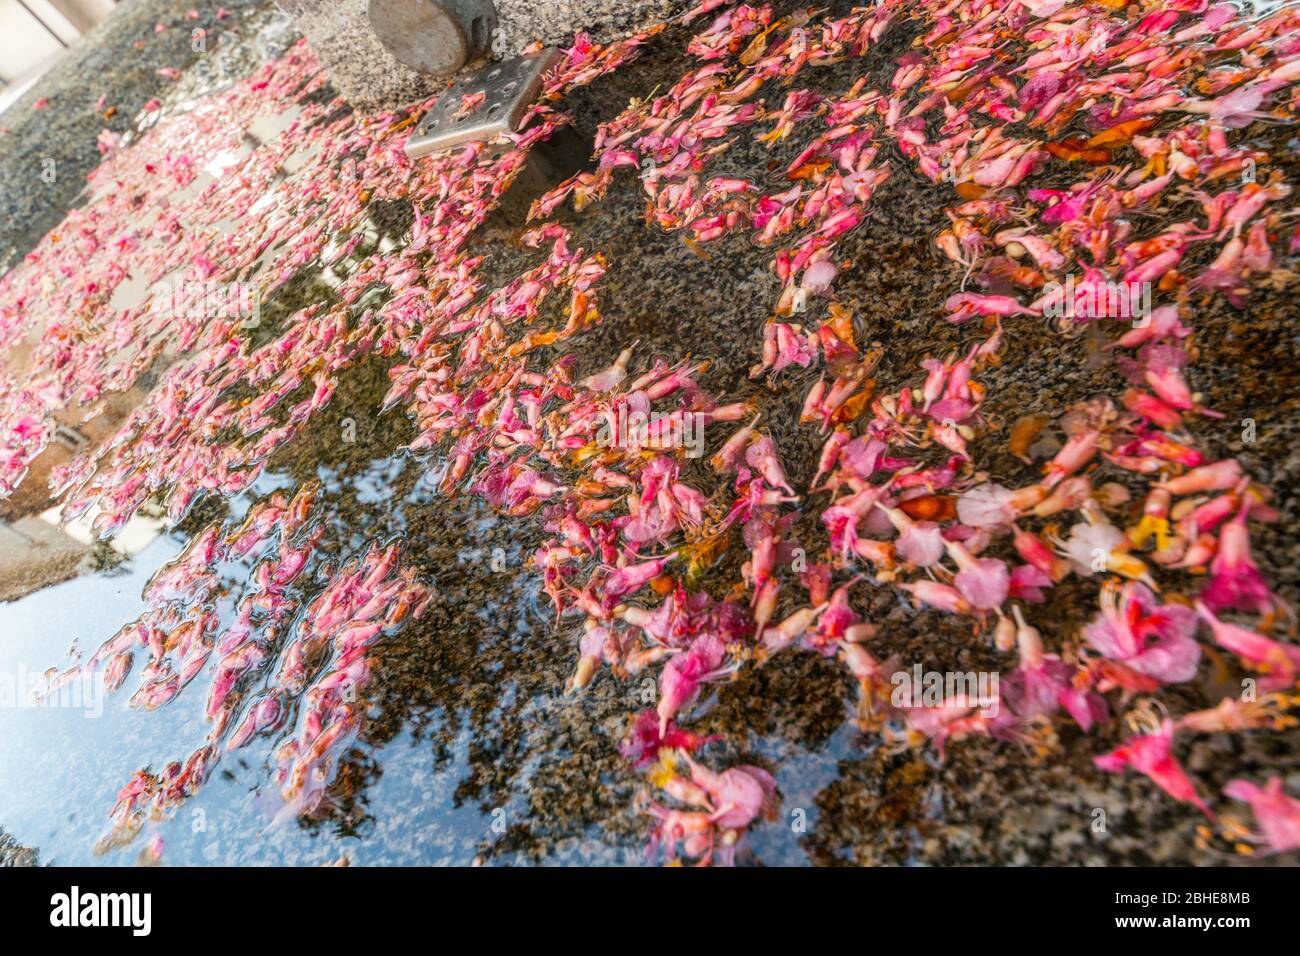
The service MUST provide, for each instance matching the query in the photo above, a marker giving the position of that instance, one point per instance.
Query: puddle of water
(61, 766)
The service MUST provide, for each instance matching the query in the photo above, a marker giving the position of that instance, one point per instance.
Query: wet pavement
(472, 752)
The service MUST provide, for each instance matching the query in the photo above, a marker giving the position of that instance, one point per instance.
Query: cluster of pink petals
(1278, 815)
(1148, 637)
(1152, 755)
(362, 601)
(907, 504)
(723, 805)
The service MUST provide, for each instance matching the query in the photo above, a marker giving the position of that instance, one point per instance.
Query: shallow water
(63, 762)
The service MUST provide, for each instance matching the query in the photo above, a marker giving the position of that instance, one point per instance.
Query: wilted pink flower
(1279, 662)
(264, 714)
(863, 456)
(119, 665)
(1073, 455)
(1087, 707)
(1089, 545)
(1153, 755)
(644, 740)
(762, 456)
(784, 345)
(1235, 582)
(817, 278)
(1030, 547)
(633, 577)
(1153, 639)
(1027, 583)
(986, 506)
(984, 582)
(1034, 690)
(1219, 476)
(962, 717)
(790, 630)
(919, 542)
(1277, 814)
(683, 674)
(816, 578)
(1165, 366)
(739, 795)
(728, 457)
(963, 305)
(834, 623)
(1160, 324)
(945, 597)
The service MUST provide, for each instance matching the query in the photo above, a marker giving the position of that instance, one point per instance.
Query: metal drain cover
(481, 105)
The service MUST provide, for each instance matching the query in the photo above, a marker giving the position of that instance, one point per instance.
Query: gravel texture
(118, 62)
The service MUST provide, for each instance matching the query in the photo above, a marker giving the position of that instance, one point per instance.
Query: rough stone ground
(555, 22)
(118, 60)
(488, 658)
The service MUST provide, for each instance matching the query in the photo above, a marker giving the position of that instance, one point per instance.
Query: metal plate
(510, 87)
